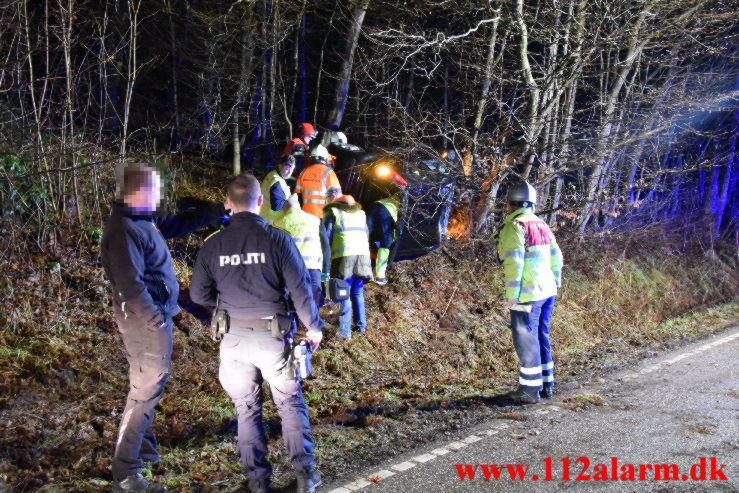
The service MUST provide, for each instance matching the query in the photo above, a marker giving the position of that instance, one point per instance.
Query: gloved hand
(325, 277)
(510, 303)
(314, 337)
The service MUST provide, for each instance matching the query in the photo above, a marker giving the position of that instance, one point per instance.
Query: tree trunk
(247, 52)
(175, 135)
(342, 84)
(484, 93)
(723, 198)
(635, 45)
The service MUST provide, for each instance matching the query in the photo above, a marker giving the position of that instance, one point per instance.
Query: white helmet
(319, 154)
(522, 192)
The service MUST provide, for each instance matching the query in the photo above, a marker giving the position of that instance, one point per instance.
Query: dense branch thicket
(621, 112)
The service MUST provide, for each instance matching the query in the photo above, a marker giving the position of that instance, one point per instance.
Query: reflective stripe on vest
(392, 207)
(304, 228)
(315, 200)
(266, 210)
(349, 234)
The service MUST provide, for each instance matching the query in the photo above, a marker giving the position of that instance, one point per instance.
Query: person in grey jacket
(139, 267)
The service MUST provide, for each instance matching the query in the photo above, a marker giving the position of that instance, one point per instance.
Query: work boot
(136, 483)
(342, 337)
(259, 485)
(524, 395)
(547, 391)
(380, 281)
(308, 481)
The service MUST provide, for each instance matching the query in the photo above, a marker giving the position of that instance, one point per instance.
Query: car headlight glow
(383, 171)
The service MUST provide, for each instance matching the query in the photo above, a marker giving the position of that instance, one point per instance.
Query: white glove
(314, 336)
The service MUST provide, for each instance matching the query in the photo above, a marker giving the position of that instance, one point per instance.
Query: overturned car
(425, 184)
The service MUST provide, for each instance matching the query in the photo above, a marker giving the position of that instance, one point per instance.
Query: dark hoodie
(139, 266)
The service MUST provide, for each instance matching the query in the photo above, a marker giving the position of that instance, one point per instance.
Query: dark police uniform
(249, 268)
(138, 264)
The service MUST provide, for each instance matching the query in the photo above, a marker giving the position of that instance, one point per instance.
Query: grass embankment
(438, 348)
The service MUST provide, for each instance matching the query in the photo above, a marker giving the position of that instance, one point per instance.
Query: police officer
(346, 226)
(382, 223)
(275, 189)
(139, 267)
(311, 239)
(250, 269)
(532, 262)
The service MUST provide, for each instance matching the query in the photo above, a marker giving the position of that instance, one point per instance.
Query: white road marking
(340, 490)
(357, 485)
(424, 458)
(384, 474)
(471, 439)
(403, 466)
(456, 445)
(440, 451)
(682, 356)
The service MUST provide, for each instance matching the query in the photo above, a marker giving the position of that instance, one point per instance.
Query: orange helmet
(306, 129)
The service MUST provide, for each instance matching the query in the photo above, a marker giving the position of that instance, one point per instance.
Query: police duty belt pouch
(281, 325)
(218, 324)
(299, 361)
(338, 290)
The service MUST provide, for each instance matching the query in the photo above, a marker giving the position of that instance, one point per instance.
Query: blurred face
(148, 195)
(286, 169)
(307, 138)
(332, 195)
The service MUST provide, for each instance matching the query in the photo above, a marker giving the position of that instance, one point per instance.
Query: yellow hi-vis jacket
(350, 235)
(305, 230)
(532, 260)
(266, 210)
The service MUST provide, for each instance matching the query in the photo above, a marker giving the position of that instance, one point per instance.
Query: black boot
(259, 485)
(308, 481)
(547, 391)
(524, 395)
(136, 483)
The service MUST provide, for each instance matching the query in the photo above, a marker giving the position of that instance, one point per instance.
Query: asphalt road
(671, 410)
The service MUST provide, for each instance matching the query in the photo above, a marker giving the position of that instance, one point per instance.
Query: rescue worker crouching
(275, 189)
(532, 262)
(250, 269)
(311, 239)
(346, 226)
(138, 265)
(382, 223)
(316, 181)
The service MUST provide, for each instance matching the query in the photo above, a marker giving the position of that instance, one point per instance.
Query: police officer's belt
(251, 323)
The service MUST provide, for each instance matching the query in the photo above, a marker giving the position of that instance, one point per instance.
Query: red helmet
(306, 129)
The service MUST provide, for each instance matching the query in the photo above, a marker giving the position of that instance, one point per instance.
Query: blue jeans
(353, 309)
(531, 339)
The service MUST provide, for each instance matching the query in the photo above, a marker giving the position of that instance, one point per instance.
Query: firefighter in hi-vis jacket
(532, 262)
